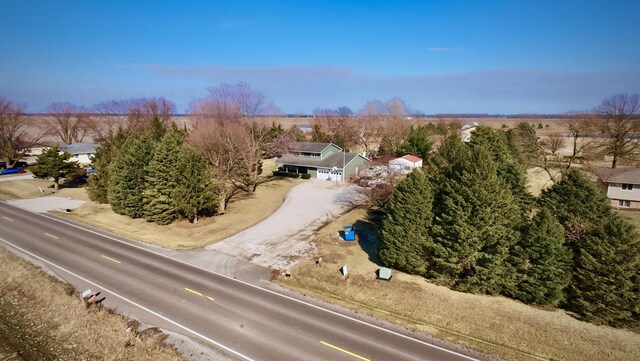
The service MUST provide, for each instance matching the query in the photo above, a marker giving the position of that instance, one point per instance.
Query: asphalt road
(244, 320)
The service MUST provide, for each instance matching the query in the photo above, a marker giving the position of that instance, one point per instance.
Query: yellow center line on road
(345, 351)
(210, 298)
(51, 235)
(110, 259)
(8, 219)
(195, 292)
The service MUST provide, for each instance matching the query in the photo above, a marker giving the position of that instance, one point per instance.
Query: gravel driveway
(46, 204)
(286, 236)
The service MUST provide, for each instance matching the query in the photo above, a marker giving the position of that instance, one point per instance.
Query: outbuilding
(404, 164)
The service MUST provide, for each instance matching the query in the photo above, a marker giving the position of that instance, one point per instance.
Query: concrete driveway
(285, 237)
(8, 178)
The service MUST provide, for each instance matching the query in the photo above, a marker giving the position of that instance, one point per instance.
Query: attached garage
(329, 174)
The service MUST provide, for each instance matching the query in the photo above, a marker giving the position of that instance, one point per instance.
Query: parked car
(15, 170)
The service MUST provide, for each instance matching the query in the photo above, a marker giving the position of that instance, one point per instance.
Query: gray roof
(330, 161)
(80, 148)
(619, 175)
(309, 147)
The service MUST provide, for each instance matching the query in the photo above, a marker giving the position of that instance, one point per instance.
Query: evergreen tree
(449, 160)
(161, 180)
(542, 263)
(53, 163)
(506, 159)
(194, 191)
(606, 283)
(127, 175)
(474, 226)
(417, 143)
(578, 205)
(98, 185)
(405, 227)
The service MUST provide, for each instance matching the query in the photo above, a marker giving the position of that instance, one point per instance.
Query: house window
(627, 186)
(624, 204)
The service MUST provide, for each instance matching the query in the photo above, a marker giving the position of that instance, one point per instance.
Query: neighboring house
(80, 152)
(622, 186)
(404, 164)
(305, 128)
(322, 161)
(467, 129)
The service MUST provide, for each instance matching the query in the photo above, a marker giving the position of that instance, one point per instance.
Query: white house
(80, 152)
(467, 129)
(622, 186)
(404, 164)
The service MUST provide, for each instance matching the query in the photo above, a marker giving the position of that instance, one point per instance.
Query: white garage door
(329, 174)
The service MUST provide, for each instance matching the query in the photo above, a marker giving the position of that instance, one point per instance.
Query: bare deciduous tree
(580, 127)
(337, 127)
(17, 134)
(113, 115)
(618, 121)
(227, 134)
(69, 122)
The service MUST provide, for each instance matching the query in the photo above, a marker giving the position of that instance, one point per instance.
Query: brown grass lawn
(22, 188)
(28, 188)
(42, 318)
(241, 214)
(496, 325)
(632, 216)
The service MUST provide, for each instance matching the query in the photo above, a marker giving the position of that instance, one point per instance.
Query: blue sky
(439, 56)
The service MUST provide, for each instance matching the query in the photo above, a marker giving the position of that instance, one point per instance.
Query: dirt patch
(495, 325)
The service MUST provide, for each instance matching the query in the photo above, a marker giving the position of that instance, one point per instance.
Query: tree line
(147, 167)
(469, 222)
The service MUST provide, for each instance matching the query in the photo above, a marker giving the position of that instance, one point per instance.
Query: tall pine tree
(417, 143)
(474, 227)
(161, 174)
(606, 282)
(541, 261)
(405, 227)
(127, 175)
(98, 185)
(578, 205)
(506, 159)
(194, 191)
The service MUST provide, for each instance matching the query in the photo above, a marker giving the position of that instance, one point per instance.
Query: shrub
(285, 174)
(306, 176)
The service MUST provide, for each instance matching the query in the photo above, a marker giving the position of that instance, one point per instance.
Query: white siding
(329, 174)
(82, 159)
(403, 166)
(615, 191)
